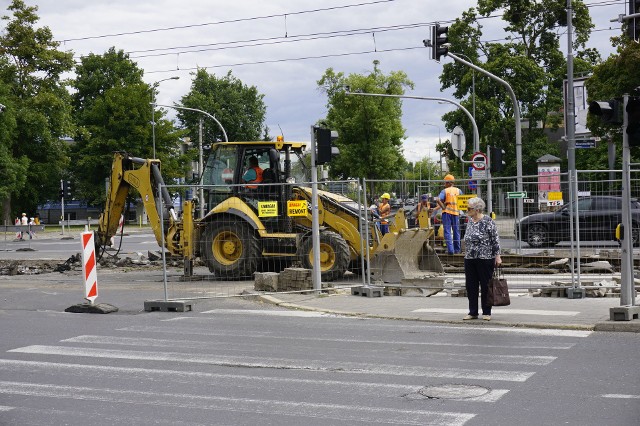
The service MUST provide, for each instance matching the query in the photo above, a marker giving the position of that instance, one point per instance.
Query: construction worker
(384, 210)
(448, 201)
(253, 174)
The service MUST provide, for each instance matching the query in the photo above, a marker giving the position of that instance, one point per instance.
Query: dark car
(598, 218)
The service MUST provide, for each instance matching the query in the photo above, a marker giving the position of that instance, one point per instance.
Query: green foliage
(238, 107)
(530, 60)
(38, 114)
(611, 79)
(370, 129)
(112, 109)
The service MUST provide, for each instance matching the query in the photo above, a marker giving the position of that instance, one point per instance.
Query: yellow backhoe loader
(264, 225)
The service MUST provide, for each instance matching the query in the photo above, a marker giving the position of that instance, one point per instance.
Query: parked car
(598, 217)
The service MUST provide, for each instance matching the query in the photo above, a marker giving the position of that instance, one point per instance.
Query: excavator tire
(334, 255)
(231, 250)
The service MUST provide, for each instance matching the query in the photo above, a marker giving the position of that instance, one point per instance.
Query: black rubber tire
(334, 255)
(231, 250)
(538, 236)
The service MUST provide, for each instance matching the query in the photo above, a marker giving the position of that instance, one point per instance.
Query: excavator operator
(254, 174)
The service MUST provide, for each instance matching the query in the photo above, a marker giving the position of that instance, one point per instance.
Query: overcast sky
(274, 45)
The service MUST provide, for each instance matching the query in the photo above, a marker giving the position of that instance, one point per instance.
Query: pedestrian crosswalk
(254, 367)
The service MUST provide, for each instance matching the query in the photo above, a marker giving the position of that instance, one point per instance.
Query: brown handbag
(498, 289)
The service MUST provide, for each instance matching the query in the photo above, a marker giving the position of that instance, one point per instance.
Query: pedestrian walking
(32, 228)
(448, 201)
(19, 232)
(482, 254)
(384, 210)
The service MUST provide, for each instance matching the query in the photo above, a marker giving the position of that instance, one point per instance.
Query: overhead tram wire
(278, 40)
(272, 61)
(230, 21)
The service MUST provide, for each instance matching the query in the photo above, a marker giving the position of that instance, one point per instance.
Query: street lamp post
(153, 110)
(200, 154)
(473, 84)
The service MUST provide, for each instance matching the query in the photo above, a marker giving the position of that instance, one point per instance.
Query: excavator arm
(143, 175)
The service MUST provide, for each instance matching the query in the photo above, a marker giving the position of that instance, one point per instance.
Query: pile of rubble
(74, 263)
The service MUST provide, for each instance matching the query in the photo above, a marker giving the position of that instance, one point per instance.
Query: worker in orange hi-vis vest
(384, 210)
(253, 174)
(448, 200)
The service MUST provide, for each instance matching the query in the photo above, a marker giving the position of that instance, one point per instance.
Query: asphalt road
(237, 362)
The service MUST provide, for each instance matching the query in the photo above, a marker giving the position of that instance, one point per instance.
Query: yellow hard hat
(385, 195)
(449, 177)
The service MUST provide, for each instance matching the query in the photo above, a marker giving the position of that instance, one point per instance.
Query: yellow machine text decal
(462, 201)
(267, 208)
(297, 208)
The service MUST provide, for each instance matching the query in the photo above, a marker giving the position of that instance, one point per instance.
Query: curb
(629, 327)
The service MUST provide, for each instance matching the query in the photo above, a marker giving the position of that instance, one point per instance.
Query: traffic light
(66, 189)
(61, 189)
(438, 40)
(324, 144)
(496, 155)
(633, 121)
(608, 111)
(633, 25)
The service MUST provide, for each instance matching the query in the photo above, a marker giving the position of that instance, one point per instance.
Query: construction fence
(247, 237)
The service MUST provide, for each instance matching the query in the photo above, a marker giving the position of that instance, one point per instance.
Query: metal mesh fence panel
(260, 232)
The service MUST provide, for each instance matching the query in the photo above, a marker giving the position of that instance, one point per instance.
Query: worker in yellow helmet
(448, 200)
(384, 210)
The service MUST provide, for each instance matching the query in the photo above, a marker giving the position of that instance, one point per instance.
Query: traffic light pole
(315, 218)
(627, 309)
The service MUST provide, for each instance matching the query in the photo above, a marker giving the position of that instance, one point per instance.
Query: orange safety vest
(384, 209)
(258, 178)
(451, 200)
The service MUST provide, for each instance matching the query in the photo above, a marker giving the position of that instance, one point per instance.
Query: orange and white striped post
(89, 273)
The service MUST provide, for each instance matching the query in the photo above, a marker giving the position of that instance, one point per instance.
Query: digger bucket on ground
(406, 255)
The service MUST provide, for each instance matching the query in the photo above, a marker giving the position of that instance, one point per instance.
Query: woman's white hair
(476, 204)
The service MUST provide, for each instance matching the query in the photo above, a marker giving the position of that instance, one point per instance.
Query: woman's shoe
(486, 317)
(470, 317)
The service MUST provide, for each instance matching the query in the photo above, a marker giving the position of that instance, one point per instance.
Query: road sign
(585, 143)
(520, 194)
(479, 161)
(479, 174)
(458, 142)
(528, 200)
(227, 175)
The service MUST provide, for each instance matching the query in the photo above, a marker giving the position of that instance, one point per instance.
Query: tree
(530, 60)
(37, 114)
(370, 128)
(238, 107)
(113, 113)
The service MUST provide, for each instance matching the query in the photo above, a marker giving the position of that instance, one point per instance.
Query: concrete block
(367, 291)
(624, 313)
(168, 306)
(266, 281)
(576, 293)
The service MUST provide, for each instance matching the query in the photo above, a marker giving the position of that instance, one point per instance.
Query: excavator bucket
(404, 256)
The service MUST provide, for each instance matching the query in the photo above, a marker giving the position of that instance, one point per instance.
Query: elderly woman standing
(482, 254)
